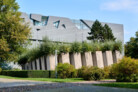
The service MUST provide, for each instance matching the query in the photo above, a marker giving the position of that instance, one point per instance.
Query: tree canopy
(13, 33)
(131, 47)
(100, 33)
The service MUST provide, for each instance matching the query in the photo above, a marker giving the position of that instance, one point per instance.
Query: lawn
(45, 79)
(133, 85)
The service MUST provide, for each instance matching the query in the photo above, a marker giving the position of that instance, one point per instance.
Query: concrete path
(14, 85)
(15, 82)
(87, 88)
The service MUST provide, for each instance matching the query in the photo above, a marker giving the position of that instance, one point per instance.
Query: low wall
(99, 59)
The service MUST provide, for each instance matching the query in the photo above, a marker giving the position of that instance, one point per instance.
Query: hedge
(29, 74)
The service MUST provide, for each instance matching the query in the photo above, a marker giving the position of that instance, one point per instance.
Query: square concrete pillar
(107, 58)
(29, 66)
(116, 56)
(87, 59)
(75, 59)
(26, 66)
(33, 65)
(37, 64)
(98, 59)
(64, 58)
(23, 67)
(50, 62)
(43, 63)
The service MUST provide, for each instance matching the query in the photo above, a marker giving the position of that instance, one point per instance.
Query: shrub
(117, 46)
(0, 70)
(107, 45)
(91, 73)
(108, 73)
(75, 47)
(64, 48)
(66, 70)
(29, 74)
(86, 47)
(96, 46)
(126, 70)
(80, 71)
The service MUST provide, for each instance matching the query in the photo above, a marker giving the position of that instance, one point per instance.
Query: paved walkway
(88, 88)
(14, 85)
(15, 82)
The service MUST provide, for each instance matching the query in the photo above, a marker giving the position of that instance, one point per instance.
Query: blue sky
(114, 11)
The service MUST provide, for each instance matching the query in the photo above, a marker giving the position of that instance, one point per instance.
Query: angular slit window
(63, 25)
(56, 24)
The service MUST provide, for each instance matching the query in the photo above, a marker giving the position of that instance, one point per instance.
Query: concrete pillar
(87, 59)
(107, 58)
(29, 66)
(116, 56)
(98, 59)
(50, 62)
(37, 64)
(64, 58)
(33, 65)
(75, 59)
(26, 66)
(42, 63)
(23, 67)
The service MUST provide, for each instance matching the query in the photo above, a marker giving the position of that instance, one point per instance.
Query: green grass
(133, 85)
(45, 79)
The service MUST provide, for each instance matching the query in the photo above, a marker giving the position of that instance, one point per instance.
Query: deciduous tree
(13, 33)
(131, 47)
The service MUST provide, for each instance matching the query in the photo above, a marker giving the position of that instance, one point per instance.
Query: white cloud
(118, 5)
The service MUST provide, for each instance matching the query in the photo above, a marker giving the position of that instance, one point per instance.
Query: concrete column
(33, 65)
(23, 67)
(26, 66)
(38, 64)
(42, 63)
(50, 62)
(98, 59)
(107, 58)
(75, 59)
(64, 58)
(29, 66)
(116, 56)
(87, 59)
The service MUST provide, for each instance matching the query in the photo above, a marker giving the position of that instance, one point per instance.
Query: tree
(131, 47)
(100, 33)
(96, 31)
(13, 33)
(108, 35)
